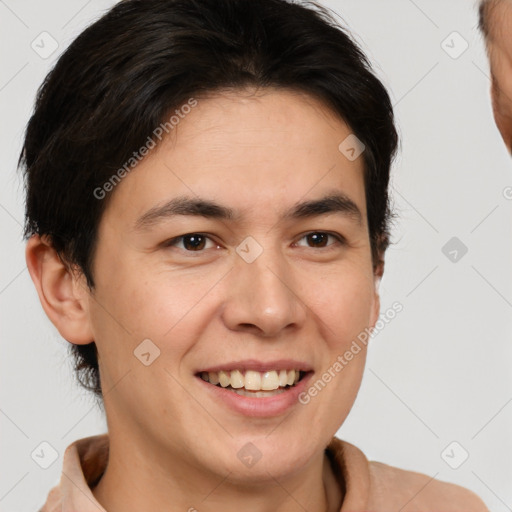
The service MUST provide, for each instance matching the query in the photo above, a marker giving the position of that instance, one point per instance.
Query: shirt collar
(85, 460)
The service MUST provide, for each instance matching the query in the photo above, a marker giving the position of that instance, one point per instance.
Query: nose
(262, 297)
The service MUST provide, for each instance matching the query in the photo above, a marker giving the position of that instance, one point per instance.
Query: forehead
(247, 151)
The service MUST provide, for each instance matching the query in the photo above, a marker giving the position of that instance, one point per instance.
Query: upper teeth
(252, 380)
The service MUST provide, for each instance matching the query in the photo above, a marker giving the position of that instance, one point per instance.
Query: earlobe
(376, 306)
(62, 296)
(377, 277)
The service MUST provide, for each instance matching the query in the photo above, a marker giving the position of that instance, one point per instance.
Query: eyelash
(173, 241)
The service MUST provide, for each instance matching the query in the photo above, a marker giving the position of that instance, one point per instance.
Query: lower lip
(258, 407)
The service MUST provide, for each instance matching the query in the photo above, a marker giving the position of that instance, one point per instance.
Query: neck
(144, 479)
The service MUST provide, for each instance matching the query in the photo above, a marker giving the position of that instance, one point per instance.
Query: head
(495, 23)
(230, 122)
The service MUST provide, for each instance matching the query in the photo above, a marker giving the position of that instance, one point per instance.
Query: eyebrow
(183, 205)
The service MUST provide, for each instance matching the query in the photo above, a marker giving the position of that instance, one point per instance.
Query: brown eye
(320, 239)
(194, 242)
(191, 242)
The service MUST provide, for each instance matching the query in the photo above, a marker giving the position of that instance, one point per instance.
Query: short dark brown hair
(121, 77)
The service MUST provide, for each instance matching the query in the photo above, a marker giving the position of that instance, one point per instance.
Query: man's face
(499, 44)
(212, 301)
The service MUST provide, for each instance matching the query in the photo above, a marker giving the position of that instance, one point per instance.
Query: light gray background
(439, 372)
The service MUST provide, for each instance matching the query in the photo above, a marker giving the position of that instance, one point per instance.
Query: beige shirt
(366, 486)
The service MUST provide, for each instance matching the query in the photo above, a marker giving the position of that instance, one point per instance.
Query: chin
(275, 455)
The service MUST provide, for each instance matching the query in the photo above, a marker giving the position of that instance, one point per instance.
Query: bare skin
(499, 48)
(172, 446)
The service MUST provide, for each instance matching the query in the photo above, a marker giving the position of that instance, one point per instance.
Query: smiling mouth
(254, 384)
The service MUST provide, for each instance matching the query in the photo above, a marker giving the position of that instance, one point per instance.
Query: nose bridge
(261, 293)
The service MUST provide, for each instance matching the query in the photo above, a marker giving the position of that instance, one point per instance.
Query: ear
(377, 277)
(63, 293)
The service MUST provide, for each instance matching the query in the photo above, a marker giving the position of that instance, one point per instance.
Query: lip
(257, 407)
(259, 366)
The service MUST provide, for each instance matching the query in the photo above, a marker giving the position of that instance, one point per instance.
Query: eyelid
(171, 242)
(339, 238)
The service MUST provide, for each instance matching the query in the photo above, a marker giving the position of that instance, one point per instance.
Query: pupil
(194, 242)
(318, 238)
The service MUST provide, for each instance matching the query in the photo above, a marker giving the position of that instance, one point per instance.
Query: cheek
(501, 82)
(152, 302)
(343, 302)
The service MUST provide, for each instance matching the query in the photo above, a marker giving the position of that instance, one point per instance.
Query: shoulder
(83, 463)
(411, 491)
(53, 501)
(377, 487)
